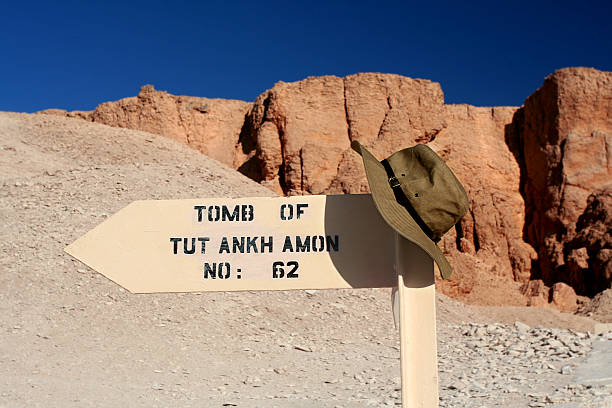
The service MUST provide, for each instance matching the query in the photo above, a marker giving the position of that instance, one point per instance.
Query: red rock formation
(589, 259)
(562, 139)
(211, 126)
(537, 293)
(563, 297)
(299, 133)
(560, 296)
(74, 114)
(299, 137)
(488, 241)
(528, 173)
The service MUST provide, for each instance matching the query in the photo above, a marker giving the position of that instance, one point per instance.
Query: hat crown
(430, 186)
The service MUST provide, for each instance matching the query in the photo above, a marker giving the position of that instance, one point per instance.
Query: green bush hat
(417, 195)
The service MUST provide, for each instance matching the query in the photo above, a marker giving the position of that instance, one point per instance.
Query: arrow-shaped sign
(307, 242)
(254, 243)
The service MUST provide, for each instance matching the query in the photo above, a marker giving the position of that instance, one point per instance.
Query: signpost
(284, 243)
(417, 325)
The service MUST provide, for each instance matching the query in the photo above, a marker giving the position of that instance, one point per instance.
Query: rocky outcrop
(298, 137)
(488, 240)
(560, 296)
(299, 134)
(589, 253)
(538, 177)
(600, 307)
(211, 126)
(536, 292)
(563, 297)
(86, 115)
(562, 139)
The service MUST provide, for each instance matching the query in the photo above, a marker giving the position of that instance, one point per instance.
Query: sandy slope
(70, 337)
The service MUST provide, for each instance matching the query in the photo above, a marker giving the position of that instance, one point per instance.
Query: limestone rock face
(211, 126)
(299, 138)
(489, 237)
(539, 178)
(299, 134)
(562, 139)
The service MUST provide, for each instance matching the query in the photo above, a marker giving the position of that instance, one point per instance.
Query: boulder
(299, 136)
(473, 145)
(563, 297)
(537, 293)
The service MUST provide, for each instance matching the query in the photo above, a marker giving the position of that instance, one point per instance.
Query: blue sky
(77, 54)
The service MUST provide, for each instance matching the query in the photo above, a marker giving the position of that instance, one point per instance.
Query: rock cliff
(538, 177)
(299, 137)
(211, 126)
(562, 140)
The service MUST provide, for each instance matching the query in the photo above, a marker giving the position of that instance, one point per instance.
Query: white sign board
(253, 243)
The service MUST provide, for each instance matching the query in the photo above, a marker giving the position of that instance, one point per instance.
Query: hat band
(404, 202)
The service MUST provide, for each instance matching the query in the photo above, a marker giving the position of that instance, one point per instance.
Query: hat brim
(394, 213)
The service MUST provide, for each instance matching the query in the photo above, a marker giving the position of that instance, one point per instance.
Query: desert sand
(72, 338)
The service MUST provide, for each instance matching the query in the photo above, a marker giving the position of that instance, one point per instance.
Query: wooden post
(417, 323)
